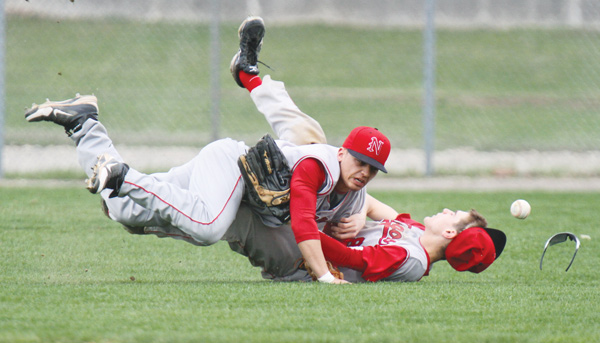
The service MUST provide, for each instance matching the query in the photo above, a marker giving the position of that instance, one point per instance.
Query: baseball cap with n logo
(368, 145)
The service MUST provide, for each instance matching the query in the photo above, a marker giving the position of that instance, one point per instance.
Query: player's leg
(137, 219)
(273, 249)
(287, 121)
(79, 117)
(168, 231)
(204, 211)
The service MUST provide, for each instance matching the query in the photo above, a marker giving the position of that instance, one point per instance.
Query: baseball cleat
(108, 173)
(71, 114)
(250, 33)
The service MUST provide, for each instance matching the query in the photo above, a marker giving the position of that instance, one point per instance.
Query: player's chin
(426, 220)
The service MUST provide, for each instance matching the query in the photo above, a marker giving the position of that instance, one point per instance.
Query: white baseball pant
(197, 201)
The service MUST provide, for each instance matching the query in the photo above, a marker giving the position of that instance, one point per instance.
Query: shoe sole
(247, 24)
(46, 110)
(103, 177)
(100, 174)
(253, 23)
(250, 21)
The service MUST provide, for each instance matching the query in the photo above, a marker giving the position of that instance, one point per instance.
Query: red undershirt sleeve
(307, 178)
(382, 261)
(376, 262)
(340, 255)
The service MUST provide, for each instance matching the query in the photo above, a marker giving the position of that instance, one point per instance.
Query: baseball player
(315, 184)
(401, 250)
(198, 201)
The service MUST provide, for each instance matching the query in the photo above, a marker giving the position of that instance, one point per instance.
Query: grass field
(68, 274)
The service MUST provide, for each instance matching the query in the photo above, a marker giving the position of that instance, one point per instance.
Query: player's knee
(112, 213)
(209, 234)
(206, 240)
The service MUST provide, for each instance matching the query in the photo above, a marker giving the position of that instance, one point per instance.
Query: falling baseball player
(198, 201)
(399, 250)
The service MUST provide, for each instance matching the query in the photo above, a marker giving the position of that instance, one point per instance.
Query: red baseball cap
(475, 249)
(368, 145)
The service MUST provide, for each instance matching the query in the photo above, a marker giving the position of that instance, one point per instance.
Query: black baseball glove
(267, 177)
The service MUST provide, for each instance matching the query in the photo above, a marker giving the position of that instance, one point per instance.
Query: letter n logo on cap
(368, 145)
(375, 145)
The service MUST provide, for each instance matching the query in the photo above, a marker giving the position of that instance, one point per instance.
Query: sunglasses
(560, 238)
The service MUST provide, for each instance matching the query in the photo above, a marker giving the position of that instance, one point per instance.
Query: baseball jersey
(274, 249)
(411, 260)
(351, 203)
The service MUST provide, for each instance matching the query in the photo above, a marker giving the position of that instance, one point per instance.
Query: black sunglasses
(559, 238)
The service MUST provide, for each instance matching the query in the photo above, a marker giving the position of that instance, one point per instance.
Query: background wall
(466, 13)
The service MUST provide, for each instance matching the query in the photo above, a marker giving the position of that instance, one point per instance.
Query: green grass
(68, 274)
(507, 90)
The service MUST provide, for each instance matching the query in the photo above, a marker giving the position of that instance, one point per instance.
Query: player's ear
(340, 154)
(449, 233)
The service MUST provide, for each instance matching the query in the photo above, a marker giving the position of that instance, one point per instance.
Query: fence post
(2, 84)
(429, 86)
(215, 57)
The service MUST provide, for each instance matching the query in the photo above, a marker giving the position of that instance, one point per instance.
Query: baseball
(520, 209)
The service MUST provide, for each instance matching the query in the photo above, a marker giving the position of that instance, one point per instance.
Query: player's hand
(340, 282)
(348, 227)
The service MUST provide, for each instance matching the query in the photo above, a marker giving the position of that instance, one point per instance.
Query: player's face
(354, 174)
(445, 220)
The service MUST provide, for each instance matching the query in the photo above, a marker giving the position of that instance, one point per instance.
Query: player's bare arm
(377, 210)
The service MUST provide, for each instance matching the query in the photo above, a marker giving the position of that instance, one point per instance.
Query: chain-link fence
(521, 77)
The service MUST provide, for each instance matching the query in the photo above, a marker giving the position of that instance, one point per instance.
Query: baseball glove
(267, 179)
(332, 269)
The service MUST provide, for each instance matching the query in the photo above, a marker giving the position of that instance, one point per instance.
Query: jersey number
(392, 231)
(354, 242)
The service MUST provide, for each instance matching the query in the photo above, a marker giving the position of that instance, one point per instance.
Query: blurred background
(473, 87)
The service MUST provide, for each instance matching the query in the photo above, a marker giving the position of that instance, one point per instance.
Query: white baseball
(520, 209)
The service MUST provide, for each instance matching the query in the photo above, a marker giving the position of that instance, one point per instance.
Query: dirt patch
(455, 169)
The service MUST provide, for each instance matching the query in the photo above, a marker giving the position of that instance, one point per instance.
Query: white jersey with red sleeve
(392, 251)
(326, 212)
